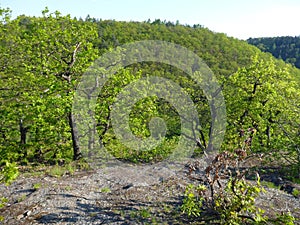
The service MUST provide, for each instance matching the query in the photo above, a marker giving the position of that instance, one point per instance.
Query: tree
(266, 100)
(43, 61)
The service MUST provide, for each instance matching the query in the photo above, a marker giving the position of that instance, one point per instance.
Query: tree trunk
(23, 135)
(76, 149)
(211, 141)
(23, 132)
(91, 133)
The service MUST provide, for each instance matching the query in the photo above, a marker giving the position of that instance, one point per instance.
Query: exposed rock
(115, 195)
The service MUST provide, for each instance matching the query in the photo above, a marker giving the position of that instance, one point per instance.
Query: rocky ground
(148, 194)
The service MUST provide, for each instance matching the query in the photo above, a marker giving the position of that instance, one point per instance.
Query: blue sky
(238, 18)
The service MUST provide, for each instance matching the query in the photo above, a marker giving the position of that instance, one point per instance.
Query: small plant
(283, 219)
(105, 190)
(9, 172)
(56, 171)
(144, 213)
(296, 193)
(81, 164)
(193, 198)
(3, 202)
(236, 204)
(141, 214)
(70, 168)
(67, 169)
(21, 198)
(37, 186)
(68, 188)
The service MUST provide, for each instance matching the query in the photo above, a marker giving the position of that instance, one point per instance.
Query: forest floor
(149, 194)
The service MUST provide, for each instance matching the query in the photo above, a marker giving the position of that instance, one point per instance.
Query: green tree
(43, 60)
(264, 97)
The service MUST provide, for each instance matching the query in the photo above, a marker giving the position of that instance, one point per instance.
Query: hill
(286, 48)
(44, 58)
(252, 110)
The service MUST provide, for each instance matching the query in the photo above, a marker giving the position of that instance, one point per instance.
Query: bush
(9, 172)
(227, 195)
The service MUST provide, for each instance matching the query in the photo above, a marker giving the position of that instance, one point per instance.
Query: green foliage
(42, 59)
(283, 219)
(36, 186)
(56, 171)
(66, 169)
(3, 202)
(296, 193)
(193, 198)
(237, 201)
(144, 213)
(286, 48)
(9, 172)
(266, 98)
(269, 184)
(105, 190)
(5, 15)
(230, 201)
(139, 119)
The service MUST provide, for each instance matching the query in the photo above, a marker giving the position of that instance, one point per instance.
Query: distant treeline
(286, 48)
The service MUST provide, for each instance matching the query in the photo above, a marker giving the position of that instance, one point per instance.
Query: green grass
(37, 186)
(3, 202)
(69, 168)
(56, 171)
(68, 188)
(142, 213)
(105, 190)
(21, 198)
(269, 184)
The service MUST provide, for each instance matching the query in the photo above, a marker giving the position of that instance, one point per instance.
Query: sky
(236, 18)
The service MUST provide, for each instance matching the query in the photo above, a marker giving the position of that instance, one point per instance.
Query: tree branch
(73, 59)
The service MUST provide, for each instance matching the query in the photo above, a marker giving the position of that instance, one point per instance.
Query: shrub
(226, 194)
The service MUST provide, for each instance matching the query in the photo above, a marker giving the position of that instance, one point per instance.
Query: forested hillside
(285, 48)
(43, 58)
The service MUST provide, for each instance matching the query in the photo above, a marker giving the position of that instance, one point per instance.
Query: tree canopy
(286, 48)
(43, 58)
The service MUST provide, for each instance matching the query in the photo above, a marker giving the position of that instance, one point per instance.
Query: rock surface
(113, 195)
